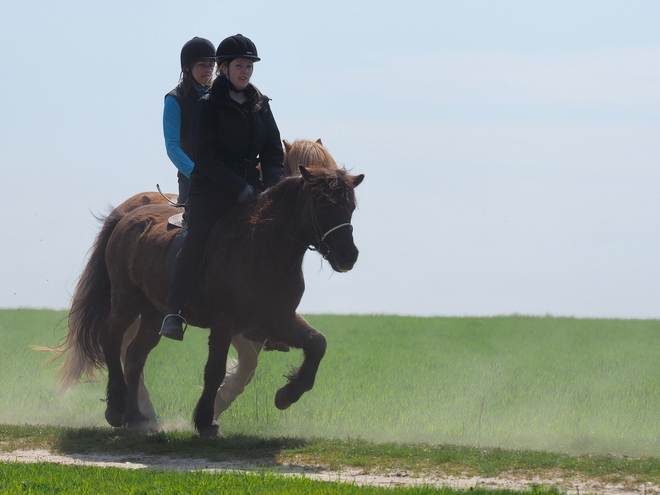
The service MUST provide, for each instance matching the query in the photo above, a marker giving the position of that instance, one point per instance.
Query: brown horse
(252, 284)
(301, 152)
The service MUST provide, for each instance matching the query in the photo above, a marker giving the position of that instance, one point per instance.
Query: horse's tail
(90, 308)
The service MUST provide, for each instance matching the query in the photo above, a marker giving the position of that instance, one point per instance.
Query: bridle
(321, 247)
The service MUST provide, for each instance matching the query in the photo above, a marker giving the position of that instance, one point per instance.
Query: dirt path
(575, 485)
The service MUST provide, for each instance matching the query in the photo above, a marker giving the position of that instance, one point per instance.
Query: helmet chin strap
(230, 86)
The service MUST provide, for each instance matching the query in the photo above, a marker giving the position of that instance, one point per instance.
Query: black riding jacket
(229, 140)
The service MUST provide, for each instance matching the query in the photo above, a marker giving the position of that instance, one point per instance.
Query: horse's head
(331, 201)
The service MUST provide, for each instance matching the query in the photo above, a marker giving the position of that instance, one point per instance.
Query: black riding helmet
(196, 49)
(237, 46)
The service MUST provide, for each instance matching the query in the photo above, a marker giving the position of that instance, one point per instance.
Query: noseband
(321, 247)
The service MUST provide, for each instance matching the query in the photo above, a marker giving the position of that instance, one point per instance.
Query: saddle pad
(176, 220)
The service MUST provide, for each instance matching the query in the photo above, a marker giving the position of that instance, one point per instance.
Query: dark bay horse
(303, 152)
(252, 284)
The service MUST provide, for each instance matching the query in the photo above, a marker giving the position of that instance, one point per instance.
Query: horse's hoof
(282, 401)
(145, 425)
(211, 431)
(114, 418)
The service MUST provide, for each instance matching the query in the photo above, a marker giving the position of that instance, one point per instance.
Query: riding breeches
(205, 208)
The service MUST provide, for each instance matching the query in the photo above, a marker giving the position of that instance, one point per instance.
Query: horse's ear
(357, 180)
(306, 175)
(287, 145)
(318, 141)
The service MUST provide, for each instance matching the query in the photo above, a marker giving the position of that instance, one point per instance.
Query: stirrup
(173, 327)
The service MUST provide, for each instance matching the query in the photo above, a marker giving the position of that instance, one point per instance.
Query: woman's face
(239, 72)
(202, 71)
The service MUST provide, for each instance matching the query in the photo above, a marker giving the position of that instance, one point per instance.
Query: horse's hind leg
(238, 376)
(144, 399)
(118, 321)
(302, 336)
(136, 356)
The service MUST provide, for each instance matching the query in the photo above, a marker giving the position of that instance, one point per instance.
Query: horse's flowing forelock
(333, 185)
(308, 154)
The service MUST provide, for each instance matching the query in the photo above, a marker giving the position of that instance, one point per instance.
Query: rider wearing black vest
(186, 103)
(233, 130)
(197, 64)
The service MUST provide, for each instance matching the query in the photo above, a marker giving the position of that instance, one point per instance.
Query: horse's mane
(261, 220)
(308, 153)
(253, 219)
(331, 184)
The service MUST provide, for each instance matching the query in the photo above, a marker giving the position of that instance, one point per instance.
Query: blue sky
(510, 147)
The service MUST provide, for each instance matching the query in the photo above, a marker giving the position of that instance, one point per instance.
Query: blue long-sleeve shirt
(172, 134)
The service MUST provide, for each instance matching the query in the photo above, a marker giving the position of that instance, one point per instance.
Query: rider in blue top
(197, 65)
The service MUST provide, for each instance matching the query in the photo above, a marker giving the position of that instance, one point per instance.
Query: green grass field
(53, 479)
(556, 384)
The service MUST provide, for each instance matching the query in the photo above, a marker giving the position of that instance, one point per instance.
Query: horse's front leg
(214, 374)
(239, 375)
(303, 336)
(136, 356)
